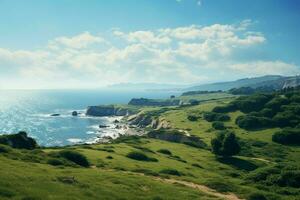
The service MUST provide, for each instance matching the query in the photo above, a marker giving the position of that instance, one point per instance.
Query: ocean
(30, 111)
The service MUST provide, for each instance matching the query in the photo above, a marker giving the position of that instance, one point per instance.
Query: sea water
(30, 111)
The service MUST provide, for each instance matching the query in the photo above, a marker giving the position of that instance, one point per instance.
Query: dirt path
(202, 188)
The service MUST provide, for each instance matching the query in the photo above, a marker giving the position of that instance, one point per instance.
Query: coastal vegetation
(211, 155)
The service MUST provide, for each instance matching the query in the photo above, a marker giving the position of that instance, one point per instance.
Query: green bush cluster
(287, 136)
(192, 118)
(218, 125)
(74, 157)
(225, 144)
(173, 172)
(164, 151)
(282, 176)
(135, 155)
(213, 116)
(250, 122)
(280, 109)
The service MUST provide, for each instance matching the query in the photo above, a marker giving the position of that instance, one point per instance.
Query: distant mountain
(274, 81)
(147, 86)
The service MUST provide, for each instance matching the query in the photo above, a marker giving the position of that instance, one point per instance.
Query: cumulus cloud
(187, 54)
(77, 42)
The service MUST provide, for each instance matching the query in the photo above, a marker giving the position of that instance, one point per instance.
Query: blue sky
(84, 44)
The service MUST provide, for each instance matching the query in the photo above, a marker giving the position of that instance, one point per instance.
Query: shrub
(212, 116)
(225, 144)
(286, 118)
(225, 109)
(218, 125)
(146, 172)
(4, 192)
(276, 103)
(250, 122)
(75, 157)
(170, 172)
(287, 136)
(256, 196)
(252, 103)
(19, 140)
(219, 186)
(192, 118)
(165, 151)
(4, 149)
(135, 155)
(55, 162)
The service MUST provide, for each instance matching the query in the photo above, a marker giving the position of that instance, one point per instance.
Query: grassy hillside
(146, 168)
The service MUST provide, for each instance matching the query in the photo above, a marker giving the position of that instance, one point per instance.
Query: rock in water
(103, 126)
(74, 113)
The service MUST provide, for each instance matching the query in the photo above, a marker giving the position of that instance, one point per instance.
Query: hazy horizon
(64, 44)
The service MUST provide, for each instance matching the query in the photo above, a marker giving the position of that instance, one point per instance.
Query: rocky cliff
(291, 82)
(109, 110)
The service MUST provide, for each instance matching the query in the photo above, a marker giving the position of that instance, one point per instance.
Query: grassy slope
(113, 178)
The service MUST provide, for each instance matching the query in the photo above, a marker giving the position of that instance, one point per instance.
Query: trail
(202, 188)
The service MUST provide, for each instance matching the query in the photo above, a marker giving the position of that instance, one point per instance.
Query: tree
(225, 144)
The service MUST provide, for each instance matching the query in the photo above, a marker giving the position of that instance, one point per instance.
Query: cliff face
(111, 110)
(292, 82)
(153, 102)
(143, 120)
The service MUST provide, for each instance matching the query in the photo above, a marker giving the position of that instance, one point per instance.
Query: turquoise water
(30, 111)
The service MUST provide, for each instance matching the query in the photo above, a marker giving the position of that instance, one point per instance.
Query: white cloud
(144, 37)
(187, 54)
(77, 42)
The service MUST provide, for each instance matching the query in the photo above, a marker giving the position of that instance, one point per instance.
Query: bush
(225, 144)
(135, 155)
(225, 109)
(5, 192)
(219, 186)
(212, 116)
(252, 103)
(4, 149)
(75, 157)
(19, 140)
(170, 172)
(192, 118)
(287, 136)
(218, 125)
(55, 162)
(165, 151)
(256, 196)
(250, 122)
(286, 118)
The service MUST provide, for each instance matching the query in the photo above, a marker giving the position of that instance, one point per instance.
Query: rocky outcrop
(141, 120)
(291, 82)
(153, 102)
(109, 110)
(177, 137)
(19, 141)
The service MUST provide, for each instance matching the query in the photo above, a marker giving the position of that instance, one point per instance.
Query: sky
(58, 44)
